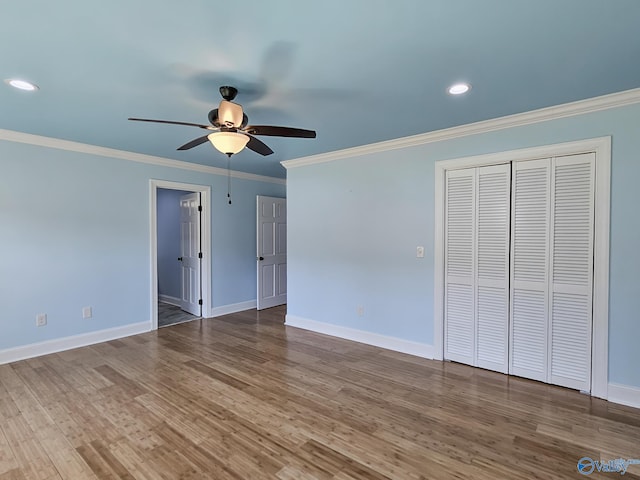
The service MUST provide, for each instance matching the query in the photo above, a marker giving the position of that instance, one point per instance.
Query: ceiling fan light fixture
(228, 143)
(230, 114)
(21, 84)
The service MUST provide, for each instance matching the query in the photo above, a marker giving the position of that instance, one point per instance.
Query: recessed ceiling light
(459, 88)
(22, 84)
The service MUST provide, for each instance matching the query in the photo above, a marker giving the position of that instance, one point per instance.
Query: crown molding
(581, 107)
(57, 143)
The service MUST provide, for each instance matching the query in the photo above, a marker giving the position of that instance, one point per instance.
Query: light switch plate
(420, 252)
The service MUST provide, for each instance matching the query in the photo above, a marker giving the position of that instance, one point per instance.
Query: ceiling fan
(231, 129)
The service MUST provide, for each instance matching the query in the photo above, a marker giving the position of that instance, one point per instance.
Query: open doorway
(179, 265)
(180, 252)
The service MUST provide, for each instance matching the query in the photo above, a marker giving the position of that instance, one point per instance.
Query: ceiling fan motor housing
(214, 119)
(230, 114)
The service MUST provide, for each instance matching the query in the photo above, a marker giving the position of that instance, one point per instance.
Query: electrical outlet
(360, 310)
(41, 319)
(86, 312)
(420, 252)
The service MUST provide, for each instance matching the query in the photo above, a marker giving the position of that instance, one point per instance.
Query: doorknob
(179, 259)
(260, 258)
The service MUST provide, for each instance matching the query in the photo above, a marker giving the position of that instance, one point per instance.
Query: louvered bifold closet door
(477, 266)
(492, 274)
(459, 303)
(529, 269)
(552, 270)
(572, 201)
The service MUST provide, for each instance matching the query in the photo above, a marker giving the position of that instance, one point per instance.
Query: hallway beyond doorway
(171, 315)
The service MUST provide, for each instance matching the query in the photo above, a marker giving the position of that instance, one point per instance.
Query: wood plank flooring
(170, 315)
(244, 397)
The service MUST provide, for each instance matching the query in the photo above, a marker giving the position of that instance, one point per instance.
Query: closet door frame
(600, 330)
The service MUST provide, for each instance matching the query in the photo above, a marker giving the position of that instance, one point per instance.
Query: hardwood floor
(170, 315)
(243, 397)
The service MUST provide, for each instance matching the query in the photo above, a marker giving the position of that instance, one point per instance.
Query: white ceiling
(356, 71)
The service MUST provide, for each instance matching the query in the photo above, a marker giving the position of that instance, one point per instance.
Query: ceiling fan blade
(194, 143)
(258, 146)
(272, 131)
(171, 122)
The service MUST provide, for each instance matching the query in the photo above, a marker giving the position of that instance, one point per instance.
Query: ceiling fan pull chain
(229, 178)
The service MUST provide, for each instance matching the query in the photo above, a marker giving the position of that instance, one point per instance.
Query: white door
(477, 266)
(531, 201)
(571, 273)
(492, 273)
(459, 301)
(191, 253)
(543, 331)
(552, 270)
(271, 251)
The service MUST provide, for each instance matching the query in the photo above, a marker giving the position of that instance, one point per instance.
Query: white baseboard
(232, 308)
(391, 343)
(169, 299)
(75, 341)
(624, 394)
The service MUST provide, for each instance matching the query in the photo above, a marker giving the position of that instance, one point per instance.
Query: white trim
(624, 394)
(600, 336)
(175, 301)
(598, 145)
(438, 264)
(602, 148)
(613, 100)
(390, 343)
(49, 142)
(75, 341)
(232, 308)
(205, 232)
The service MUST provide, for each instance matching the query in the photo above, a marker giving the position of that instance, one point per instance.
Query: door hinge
(199, 208)
(200, 302)
(199, 254)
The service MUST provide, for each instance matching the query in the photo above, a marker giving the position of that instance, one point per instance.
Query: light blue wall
(353, 227)
(74, 232)
(169, 275)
